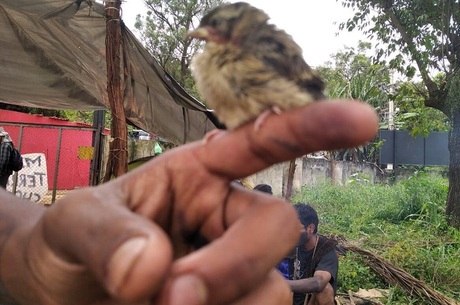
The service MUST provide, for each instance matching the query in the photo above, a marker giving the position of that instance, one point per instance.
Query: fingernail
(188, 289)
(122, 262)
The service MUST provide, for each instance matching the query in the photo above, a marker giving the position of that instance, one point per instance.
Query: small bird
(248, 67)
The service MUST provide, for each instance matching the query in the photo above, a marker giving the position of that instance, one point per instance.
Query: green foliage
(422, 30)
(420, 36)
(416, 37)
(404, 223)
(420, 197)
(86, 117)
(355, 274)
(164, 31)
(353, 75)
(398, 296)
(412, 115)
(78, 116)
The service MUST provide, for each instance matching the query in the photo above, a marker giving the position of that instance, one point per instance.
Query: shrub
(354, 274)
(404, 223)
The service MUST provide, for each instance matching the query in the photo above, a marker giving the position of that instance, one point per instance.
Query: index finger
(264, 230)
(318, 126)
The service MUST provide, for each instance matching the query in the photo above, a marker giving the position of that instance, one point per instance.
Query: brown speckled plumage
(248, 66)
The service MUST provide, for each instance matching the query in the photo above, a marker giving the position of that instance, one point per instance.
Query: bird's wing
(280, 53)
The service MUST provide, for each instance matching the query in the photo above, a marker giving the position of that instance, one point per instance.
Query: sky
(312, 23)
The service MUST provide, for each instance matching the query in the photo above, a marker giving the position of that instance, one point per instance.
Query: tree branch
(433, 90)
(160, 15)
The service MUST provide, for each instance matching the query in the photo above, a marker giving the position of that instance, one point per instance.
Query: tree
(164, 34)
(412, 115)
(352, 75)
(423, 36)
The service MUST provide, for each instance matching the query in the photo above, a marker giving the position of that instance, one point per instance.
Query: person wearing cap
(6, 148)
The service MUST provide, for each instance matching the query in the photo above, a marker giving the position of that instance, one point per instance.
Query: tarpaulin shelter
(52, 55)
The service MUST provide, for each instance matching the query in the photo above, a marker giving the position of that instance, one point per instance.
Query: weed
(404, 223)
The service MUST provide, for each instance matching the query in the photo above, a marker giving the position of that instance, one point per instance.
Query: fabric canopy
(52, 55)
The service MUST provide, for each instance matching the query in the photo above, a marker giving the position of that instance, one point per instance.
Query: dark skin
(318, 284)
(130, 241)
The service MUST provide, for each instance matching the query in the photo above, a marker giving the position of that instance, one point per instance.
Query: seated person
(313, 265)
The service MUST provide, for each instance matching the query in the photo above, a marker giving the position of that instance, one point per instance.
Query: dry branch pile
(397, 276)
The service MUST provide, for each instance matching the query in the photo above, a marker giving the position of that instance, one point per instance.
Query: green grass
(404, 223)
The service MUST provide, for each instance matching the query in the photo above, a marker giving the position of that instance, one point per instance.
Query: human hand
(131, 241)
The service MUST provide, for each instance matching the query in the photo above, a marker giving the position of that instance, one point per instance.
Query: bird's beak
(200, 33)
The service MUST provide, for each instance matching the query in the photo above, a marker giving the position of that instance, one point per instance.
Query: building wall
(312, 171)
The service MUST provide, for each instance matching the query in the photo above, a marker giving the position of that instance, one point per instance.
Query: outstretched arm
(134, 240)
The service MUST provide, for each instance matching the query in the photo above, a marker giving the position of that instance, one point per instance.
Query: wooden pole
(118, 155)
(290, 180)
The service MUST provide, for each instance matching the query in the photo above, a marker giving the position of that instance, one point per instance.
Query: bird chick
(248, 66)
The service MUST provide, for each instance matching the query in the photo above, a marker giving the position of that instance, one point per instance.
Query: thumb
(137, 268)
(127, 254)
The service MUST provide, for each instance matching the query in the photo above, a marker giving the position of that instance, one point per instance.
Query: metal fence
(400, 147)
(56, 159)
